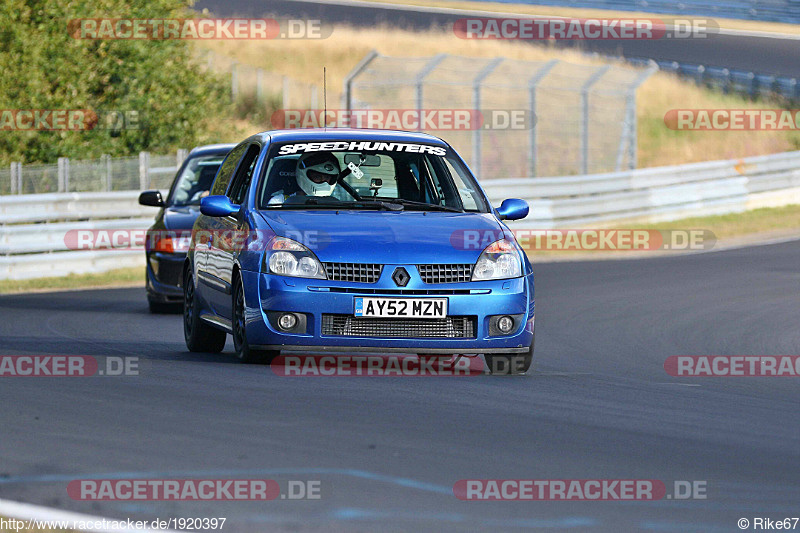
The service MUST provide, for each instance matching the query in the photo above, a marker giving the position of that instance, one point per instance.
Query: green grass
(112, 278)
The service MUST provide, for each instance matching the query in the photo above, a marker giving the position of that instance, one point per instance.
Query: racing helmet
(317, 173)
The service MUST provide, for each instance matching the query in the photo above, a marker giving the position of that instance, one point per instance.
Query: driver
(316, 175)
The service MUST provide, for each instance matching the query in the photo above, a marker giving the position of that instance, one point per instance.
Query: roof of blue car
(212, 149)
(349, 134)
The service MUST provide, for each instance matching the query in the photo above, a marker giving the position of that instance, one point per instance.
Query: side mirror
(513, 209)
(151, 198)
(218, 206)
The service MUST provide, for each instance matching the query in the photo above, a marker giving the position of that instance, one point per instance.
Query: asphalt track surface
(387, 451)
(759, 54)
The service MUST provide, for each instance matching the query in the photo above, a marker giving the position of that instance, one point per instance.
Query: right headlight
(286, 257)
(499, 260)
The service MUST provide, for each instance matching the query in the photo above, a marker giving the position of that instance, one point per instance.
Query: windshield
(398, 176)
(195, 180)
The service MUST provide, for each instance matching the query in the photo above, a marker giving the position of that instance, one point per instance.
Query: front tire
(244, 352)
(199, 336)
(505, 365)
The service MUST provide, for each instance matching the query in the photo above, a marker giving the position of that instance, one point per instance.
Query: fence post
(629, 127)
(107, 159)
(63, 174)
(144, 170)
(180, 157)
(284, 92)
(420, 83)
(19, 178)
(347, 93)
(533, 150)
(585, 116)
(476, 108)
(13, 178)
(259, 85)
(234, 82)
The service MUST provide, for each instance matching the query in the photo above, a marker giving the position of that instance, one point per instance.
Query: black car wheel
(244, 352)
(200, 337)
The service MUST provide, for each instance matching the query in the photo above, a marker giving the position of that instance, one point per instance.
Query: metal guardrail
(33, 227)
(656, 194)
(768, 10)
(747, 83)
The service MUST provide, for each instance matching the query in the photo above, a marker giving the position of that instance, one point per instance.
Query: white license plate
(401, 307)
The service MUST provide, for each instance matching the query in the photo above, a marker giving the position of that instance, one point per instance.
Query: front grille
(170, 272)
(448, 273)
(354, 272)
(452, 327)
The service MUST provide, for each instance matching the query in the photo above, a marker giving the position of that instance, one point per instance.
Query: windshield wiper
(425, 205)
(318, 203)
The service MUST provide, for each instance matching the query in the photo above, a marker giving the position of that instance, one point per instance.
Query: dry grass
(304, 60)
(123, 277)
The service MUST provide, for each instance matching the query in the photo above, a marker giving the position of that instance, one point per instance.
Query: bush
(46, 68)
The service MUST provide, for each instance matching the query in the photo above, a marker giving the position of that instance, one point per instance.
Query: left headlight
(499, 260)
(286, 257)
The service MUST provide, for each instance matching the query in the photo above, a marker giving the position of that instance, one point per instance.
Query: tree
(44, 67)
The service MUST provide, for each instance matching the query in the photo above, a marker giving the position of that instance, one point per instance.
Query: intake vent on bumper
(452, 327)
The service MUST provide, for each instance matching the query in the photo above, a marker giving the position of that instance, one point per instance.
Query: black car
(168, 238)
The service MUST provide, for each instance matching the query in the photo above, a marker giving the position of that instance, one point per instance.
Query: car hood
(182, 217)
(387, 237)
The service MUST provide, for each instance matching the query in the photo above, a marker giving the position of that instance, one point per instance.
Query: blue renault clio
(343, 240)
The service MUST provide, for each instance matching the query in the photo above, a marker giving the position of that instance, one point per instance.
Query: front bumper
(315, 298)
(165, 286)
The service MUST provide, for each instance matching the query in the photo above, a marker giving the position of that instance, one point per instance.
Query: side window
(244, 174)
(226, 170)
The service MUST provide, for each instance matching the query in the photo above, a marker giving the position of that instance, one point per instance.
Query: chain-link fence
(580, 119)
(147, 171)
(251, 85)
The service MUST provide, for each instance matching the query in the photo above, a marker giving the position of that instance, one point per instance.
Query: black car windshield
(195, 180)
(359, 174)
